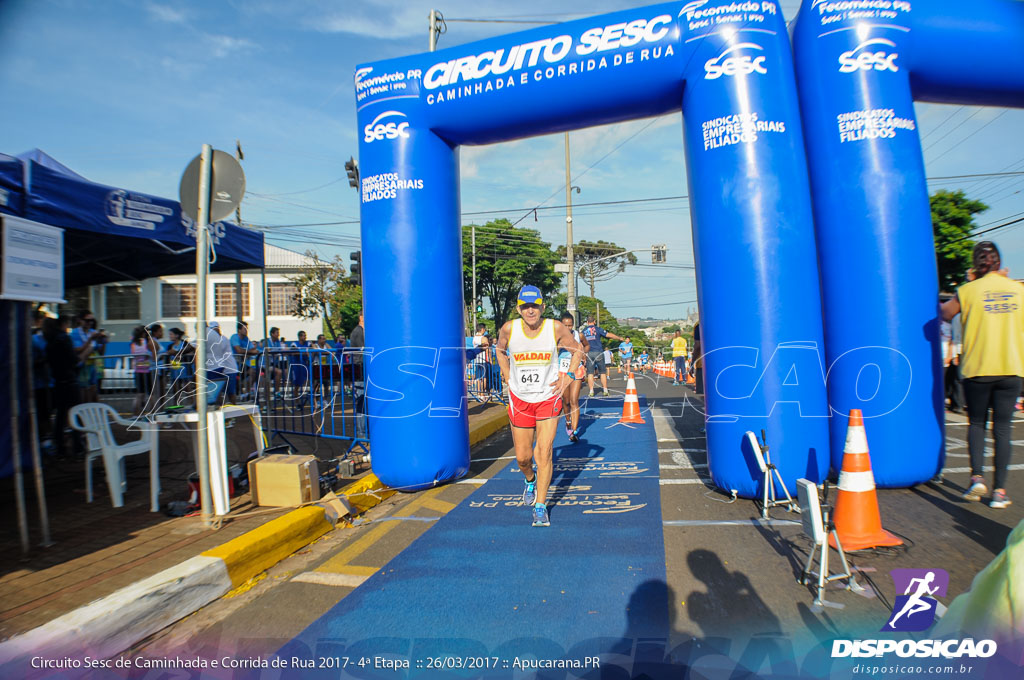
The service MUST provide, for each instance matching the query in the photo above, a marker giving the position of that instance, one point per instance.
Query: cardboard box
(282, 481)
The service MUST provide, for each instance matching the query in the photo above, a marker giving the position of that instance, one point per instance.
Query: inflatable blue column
(857, 71)
(754, 246)
(414, 311)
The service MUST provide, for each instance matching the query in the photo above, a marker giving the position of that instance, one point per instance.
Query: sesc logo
(859, 59)
(735, 66)
(377, 130)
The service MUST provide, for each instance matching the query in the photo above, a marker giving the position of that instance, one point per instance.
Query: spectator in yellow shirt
(991, 308)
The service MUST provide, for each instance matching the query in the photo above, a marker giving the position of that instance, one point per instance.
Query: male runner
(626, 355)
(644, 360)
(679, 357)
(528, 357)
(591, 335)
(571, 396)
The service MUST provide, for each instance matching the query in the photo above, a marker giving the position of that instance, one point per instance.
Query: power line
(955, 128)
(985, 231)
(1003, 113)
(499, 21)
(946, 120)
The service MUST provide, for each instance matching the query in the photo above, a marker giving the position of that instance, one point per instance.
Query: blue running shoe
(540, 516)
(574, 436)
(530, 492)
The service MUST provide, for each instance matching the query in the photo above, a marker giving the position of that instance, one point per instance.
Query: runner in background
(571, 395)
(528, 356)
(626, 355)
(679, 357)
(591, 334)
(645, 359)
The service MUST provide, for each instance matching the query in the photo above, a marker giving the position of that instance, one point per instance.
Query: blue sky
(125, 92)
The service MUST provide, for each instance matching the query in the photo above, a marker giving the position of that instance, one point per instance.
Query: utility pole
(472, 230)
(432, 38)
(238, 272)
(571, 292)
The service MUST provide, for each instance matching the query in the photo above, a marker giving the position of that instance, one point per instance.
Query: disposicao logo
(735, 66)
(377, 130)
(859, 59)
(913, 611)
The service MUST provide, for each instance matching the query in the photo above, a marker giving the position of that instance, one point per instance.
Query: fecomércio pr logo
(915, 609)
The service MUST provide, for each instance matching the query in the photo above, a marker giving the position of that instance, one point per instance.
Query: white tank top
(533, 362)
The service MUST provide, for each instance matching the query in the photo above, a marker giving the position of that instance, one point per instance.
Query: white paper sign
(33, 261)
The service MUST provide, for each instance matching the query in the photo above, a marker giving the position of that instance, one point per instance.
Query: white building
(171, 300)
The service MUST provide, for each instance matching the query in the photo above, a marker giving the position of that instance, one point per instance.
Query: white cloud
(221, 46)
(171, 15)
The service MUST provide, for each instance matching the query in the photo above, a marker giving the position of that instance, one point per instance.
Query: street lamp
(571, 291)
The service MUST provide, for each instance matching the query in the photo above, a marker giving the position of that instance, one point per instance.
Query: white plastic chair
(94, 420)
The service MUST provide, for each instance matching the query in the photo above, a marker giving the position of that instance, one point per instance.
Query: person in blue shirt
(626, 354)
(299, 361)
(90, 370)
(274, 359)
(245, 351)
(645, 359)
(591, 335)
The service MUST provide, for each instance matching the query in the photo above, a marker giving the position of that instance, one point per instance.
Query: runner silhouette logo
(915, 609)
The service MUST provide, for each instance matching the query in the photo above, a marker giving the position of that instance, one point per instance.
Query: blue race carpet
(483, 582)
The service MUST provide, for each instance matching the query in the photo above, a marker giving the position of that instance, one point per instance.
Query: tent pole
(202, 267)
(263, 284)
(37, 462)
(19, 479)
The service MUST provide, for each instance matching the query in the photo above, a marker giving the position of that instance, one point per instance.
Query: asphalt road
(731, 581)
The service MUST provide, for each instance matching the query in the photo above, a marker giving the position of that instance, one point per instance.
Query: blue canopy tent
(12, 190)
(110, 234)
(114, 234)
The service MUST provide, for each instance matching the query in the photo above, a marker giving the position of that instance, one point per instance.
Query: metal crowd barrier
(314, 392)
(311, 392)
(483, 376)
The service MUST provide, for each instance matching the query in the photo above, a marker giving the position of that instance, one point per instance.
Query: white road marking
(729, 522)
(326, 578)
(986, 468)
(669, 482)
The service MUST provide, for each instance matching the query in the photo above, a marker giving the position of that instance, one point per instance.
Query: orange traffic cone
(856, 517)
(631, 405)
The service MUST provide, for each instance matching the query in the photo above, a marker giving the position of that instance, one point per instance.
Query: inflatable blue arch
(860, 65)
(728, 66)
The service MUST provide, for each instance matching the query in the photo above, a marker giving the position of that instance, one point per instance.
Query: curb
(495, 422)
(112, 624)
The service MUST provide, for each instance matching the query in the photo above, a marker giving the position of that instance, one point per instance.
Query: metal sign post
(202, 269)
(211, 189)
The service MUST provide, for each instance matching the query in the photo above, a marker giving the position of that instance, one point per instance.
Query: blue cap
(530, 295)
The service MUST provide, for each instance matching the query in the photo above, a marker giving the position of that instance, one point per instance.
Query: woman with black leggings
(991, 306)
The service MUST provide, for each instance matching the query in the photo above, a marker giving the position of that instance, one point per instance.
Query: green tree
(671, 329)
(598, 261)
(324, 292)
(317, 285)
(506, 259)
(952, 223)
(346, 304)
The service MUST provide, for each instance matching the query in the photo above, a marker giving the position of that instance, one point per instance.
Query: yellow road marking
(339, 564)
(439, 505)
